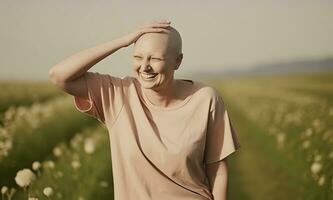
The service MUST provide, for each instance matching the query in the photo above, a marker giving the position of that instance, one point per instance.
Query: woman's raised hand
(150, 27)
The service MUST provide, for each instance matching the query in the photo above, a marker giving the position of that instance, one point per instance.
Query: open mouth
(148, 76)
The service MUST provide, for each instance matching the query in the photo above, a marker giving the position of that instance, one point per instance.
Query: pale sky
(217, 35)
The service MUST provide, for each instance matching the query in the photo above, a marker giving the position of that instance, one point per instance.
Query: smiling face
(156, 56)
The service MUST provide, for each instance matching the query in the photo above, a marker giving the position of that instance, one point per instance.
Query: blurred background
(272, 62)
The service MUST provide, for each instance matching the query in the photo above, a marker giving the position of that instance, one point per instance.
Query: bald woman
(169, 138)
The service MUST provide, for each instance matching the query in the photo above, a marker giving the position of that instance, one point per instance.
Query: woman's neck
(165, 96)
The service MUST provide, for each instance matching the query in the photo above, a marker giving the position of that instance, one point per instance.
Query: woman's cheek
(136, 66)
(160, 67)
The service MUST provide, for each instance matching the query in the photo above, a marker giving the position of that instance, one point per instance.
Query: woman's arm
(77, 64)
(217, 174)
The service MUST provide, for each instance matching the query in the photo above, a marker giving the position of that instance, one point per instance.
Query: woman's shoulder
(211, 93)
(205, 89)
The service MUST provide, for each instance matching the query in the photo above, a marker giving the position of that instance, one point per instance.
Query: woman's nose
(145, 66)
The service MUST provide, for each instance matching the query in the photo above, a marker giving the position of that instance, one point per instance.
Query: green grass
(92, 180)
(25, 93)
(35, 143)
(263, 108)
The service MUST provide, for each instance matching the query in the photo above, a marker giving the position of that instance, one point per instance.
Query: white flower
(89, 145)
(316, 167)
(316, 122)
(48, 191)
(36, 165)
(308, 132)
(57, 151)
(59, 174)
(280, 137)
(24, 177)
(306, 144)
(4, 189)
(76, 164)
(104, 184)
(321, 180)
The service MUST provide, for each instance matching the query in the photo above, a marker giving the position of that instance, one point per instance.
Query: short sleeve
(221, 138)
(105, 94)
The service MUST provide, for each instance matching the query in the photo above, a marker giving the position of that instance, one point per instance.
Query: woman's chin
(147, 85)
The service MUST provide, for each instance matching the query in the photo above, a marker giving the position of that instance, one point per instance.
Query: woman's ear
(179, 60)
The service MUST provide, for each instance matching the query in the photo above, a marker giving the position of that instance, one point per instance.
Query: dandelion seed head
(48, 191)
(308, 132)
(76, 164)
(89, 146)
(4, 189)
(321, 180)
(316, 167)
(57, 151)
(25, 177)
(59, 174)
(306, 144)
(104, 184)
(281, 137)
(36, 165)
(317, 157)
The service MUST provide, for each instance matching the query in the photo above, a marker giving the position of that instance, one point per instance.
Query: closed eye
(156, 58)
(137, 57)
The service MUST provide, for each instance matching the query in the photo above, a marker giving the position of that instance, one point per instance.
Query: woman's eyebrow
(159, 55)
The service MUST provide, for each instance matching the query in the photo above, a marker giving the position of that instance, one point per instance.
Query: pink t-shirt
(159, 153)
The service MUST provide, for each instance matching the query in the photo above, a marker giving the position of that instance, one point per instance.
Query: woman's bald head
(175, 41)
(170, 42)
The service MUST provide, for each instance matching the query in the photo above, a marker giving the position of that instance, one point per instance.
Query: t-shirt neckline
(179, 105)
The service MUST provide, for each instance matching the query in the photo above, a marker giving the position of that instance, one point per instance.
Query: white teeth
(148, 75)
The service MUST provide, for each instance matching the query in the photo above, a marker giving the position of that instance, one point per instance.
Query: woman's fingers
(152, 27)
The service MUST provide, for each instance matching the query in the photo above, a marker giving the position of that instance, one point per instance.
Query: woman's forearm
(219, 190)
(217, 174)
(77, 64)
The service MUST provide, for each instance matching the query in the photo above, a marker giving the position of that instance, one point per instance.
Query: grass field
(286, 131)
(284, 124)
